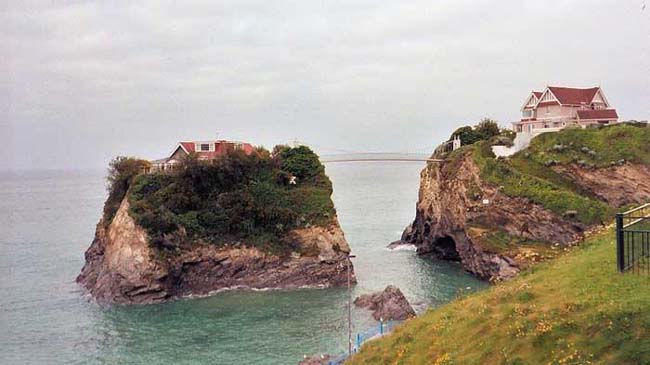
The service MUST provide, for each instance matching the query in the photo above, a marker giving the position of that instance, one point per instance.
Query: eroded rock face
(122, 268)
(616, 185)
(448, 205)
(389, 304)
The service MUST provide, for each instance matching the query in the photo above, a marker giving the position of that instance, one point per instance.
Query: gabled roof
(534, 94)
(187, 146)
(573, 96)
(605, 114)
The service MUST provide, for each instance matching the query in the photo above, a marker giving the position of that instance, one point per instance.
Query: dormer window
(204, 146)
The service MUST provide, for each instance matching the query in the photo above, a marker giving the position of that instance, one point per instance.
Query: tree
(466, 134)
(121, 171)
(487, 128)
(301, 162)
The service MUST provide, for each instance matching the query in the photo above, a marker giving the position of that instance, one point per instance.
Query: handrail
(637, 208)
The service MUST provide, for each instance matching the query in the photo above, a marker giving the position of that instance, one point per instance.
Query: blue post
(381, 328)
(358, 340)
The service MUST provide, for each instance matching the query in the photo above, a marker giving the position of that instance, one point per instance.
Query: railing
(633, 240)
(373, 333)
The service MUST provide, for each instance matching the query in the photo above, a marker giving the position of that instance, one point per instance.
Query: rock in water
(389, 304)
(122, 267)
(316, 360)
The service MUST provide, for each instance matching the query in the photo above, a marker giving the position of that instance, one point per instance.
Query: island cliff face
(122, 266)
(256, 220)
(455, 202)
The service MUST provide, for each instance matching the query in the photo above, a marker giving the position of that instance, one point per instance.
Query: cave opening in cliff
(446, 248)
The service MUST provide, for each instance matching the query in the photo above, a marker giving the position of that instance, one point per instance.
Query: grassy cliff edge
(574, 310)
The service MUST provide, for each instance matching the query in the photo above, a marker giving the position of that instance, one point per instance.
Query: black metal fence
(633, 240)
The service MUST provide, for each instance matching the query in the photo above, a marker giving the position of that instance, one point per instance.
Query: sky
(84, 81)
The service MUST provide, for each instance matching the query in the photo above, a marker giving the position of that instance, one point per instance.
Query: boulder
(316, 360)
(389, 304)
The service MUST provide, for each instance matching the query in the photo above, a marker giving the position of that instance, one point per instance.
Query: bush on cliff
(121, 171)
(575, 310)
(483, 130)
(235, 198)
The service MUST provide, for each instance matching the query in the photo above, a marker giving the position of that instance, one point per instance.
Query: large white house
(558, 107)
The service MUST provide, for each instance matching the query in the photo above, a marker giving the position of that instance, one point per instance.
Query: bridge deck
(382, 160)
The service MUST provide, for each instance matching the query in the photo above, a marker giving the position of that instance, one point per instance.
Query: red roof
(545, 103)
(220, 148)
(574, 96)
(189, 146)
(604, 114)
(538, 94)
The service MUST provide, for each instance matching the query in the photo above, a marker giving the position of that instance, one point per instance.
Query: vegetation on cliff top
(592, 147)
(574, 310)
(237, 198)
(484, 130)
(540, 184)
(530, 172)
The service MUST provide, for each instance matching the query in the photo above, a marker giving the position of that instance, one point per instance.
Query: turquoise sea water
(47, 221)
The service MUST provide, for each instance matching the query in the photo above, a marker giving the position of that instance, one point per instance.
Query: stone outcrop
(448, 205)
(617, 185)
(121, 267)
(389, 304)
(316, 360)
(454, 201)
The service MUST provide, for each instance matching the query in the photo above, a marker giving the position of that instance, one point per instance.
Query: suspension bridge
(377, 157)
(345, 156)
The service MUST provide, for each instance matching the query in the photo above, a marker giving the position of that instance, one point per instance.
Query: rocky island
(244, 220)
(499, 215)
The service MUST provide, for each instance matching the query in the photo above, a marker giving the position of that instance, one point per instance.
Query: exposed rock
(396, 244)
(121, 267)
(446, 208)
(453, 198)
(316, 360)
(617, 185)
(389, 304)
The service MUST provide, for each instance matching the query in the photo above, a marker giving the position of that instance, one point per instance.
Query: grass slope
(574, 310)
(540, 184)
(529, 173)
(597, 147)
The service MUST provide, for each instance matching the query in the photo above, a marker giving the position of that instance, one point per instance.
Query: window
(205, 147)
(527, 113)
(239, 146)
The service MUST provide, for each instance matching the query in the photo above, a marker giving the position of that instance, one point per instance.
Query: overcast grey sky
(83, 81)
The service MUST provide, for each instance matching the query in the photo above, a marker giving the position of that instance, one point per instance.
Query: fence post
(358, 341)
(381, 328)
(620, 241)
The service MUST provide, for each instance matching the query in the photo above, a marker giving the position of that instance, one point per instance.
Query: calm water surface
(47, 221)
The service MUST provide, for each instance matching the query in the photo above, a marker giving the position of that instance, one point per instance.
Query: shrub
(121, 171)
(237, 197)
(484, 130)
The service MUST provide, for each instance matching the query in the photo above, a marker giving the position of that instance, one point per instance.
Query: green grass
(609, 145)
(538, 183)
(573, 310)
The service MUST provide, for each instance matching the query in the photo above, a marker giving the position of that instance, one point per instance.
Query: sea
(47, 221)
